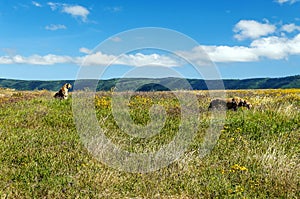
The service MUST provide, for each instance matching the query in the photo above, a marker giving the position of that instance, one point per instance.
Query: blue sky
(49, 40)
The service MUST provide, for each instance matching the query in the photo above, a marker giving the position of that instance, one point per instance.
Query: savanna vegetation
(256, 156)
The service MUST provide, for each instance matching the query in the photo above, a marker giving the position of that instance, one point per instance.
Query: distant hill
(156, 84)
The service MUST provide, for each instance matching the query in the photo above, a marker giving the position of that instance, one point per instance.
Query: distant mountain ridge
(155, 84)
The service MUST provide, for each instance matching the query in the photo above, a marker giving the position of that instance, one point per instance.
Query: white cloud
(290, 28)
(76, 11)
(205, 55)
(282, 1)
(73, 10)
(97, 58)
(230, 54)
(286, 1)
(6, 60)
(36, 4)
(140, 59)
(49, 59)
(137, 59)
(53, 6)
(85, 50)
(277, 47)
(54, 27)
(252, 29)
(272, 47)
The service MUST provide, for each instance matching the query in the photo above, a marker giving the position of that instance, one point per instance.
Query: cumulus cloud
(286, 1)
(76, 11)
(268, 47)
(36, 4)
(49, 59)
(97, 58)
(245, 29)
(272, 47)
(277, 47)
(230, 53)
(205, 55)
(290, 28)
(6, 60)
(140, 59)
(54, 27)
(53, 6)
(85, 50)
(136, 60)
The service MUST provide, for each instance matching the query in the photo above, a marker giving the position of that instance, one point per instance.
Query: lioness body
(229, 103)
(63, 92)
(242, 103)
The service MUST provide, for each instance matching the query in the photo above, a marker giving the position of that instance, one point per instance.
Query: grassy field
(257, 154)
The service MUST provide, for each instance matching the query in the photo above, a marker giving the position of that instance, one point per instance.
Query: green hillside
(161, 84)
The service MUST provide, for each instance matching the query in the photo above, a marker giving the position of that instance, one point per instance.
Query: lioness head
(68, 86)
(243, 103)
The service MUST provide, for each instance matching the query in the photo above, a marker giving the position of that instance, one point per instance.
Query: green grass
(256, 156)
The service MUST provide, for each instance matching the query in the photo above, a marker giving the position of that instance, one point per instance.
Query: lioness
(229, 103)
(242, 103)
(63, 92)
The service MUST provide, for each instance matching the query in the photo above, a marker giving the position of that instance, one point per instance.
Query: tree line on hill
(156, 84)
